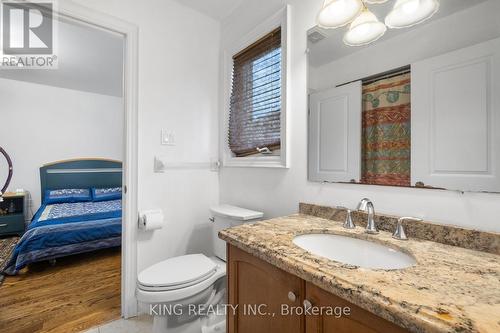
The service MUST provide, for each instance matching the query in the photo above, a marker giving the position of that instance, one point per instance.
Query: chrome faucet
(400, 233)
(366, 205)
(348, 224)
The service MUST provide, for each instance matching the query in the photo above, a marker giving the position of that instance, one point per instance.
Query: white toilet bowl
(177, 288)
(184, 292)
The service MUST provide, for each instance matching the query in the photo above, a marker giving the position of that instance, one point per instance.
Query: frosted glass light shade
(407, 13)
(337, 13)
(375, 2)
(365, 29)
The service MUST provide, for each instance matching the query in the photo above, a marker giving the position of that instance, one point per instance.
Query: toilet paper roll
(151, 220)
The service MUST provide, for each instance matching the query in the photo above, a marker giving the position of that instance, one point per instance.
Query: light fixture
(337, 13)
(407, 13)
(365, 29)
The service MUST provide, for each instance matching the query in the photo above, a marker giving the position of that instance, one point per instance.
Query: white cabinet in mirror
(420, 108)
(335, 134)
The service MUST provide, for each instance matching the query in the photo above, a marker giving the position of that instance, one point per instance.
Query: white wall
(89, 59)
(277, 192)
(41, 124)
(178, 77)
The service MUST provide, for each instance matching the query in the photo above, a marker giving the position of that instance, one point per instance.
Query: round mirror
(5, 170)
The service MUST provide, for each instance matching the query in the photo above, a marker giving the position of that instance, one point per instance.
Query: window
(256, 90)
(256, 98)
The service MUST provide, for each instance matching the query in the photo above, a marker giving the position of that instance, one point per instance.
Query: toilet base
(187, 319)
(200, 325)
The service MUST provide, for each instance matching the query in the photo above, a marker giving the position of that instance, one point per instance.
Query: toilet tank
(227, 216)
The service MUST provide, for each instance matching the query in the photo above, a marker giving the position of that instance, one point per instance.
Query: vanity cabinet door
(358, 321)
(259, 290)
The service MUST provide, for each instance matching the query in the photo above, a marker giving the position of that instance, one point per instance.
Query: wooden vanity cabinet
(253, 282)
(358, 320)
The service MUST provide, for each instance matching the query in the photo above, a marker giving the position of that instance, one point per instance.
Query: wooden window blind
(255, 105)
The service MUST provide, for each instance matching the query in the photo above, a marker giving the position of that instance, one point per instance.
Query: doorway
(127, 256)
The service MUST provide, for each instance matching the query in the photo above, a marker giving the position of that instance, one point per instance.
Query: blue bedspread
(59, 230)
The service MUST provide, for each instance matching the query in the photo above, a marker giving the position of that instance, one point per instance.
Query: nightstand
(12, 214)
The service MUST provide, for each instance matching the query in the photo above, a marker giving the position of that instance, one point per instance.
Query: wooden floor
(78, 293)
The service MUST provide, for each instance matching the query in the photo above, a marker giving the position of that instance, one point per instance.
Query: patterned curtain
(386, 136)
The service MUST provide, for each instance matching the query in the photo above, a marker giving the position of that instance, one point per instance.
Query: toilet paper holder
(151, 219)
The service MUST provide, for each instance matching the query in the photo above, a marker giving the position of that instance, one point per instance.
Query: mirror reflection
(416, 105)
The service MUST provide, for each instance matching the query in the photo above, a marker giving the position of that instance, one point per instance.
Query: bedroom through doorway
(64, 130)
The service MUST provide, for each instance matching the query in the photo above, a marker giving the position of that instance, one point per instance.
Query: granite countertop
(450, 289)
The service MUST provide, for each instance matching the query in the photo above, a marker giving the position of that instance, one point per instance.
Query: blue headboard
(80, 173)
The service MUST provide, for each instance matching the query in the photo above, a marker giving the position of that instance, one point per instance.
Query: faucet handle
(348, 224)
(400, 233)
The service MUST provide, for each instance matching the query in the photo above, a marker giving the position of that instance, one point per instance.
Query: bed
(69, 221)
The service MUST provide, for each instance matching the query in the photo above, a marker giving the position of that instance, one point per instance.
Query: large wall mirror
(419, 106)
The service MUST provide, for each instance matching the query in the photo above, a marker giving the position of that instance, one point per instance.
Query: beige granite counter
(450, 289)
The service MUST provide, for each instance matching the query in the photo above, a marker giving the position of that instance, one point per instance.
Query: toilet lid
(178, 272)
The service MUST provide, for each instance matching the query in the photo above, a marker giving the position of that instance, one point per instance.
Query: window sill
(274, 162)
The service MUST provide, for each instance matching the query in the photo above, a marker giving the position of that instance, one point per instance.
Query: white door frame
(130, 93)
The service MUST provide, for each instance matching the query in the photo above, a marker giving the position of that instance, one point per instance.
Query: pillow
(67, 195)
(108, 193)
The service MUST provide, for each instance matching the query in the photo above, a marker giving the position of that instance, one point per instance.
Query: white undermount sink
(354, 251)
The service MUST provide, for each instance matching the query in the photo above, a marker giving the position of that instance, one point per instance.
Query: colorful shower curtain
(386, 136)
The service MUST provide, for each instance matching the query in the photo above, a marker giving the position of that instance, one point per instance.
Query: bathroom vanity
(252, 280)
(447, 289)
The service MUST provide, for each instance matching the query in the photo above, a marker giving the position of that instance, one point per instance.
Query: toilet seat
(177, 273)
(177, 286)
(172, 293)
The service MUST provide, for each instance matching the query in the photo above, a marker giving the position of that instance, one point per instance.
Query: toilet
(176, 288)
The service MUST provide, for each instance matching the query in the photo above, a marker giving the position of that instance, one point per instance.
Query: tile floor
(141, 324)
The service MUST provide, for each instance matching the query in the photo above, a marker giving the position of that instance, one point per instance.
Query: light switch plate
(167, 138)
